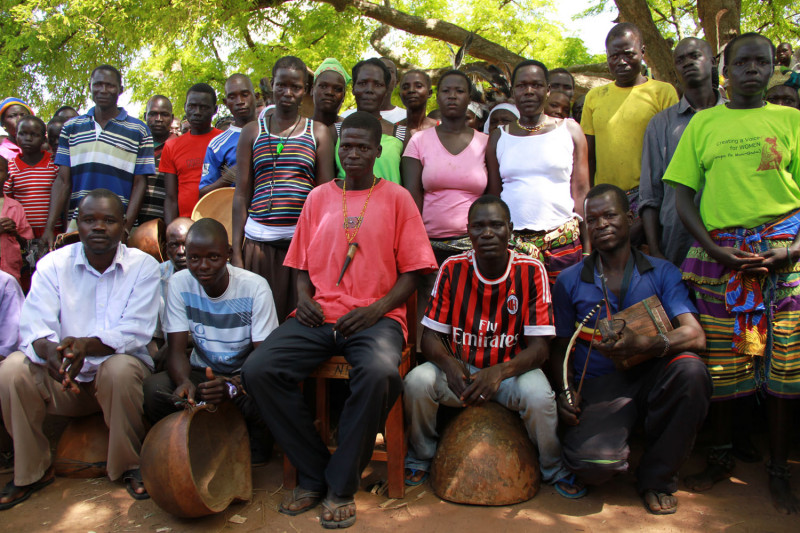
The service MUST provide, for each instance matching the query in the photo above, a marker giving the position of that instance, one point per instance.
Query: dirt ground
(97, 505)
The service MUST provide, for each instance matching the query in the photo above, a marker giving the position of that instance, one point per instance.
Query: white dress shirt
(69, 298)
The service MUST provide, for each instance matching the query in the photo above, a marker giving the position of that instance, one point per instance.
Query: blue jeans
(529, 394)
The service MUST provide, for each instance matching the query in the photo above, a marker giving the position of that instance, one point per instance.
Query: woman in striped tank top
(281, 157)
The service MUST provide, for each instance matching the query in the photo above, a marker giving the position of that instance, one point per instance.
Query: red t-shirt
(31, 187)
(392, 241)
(183, 156)
(10, 253)
(490, 318)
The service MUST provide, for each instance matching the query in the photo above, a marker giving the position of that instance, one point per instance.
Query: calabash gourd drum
(82, 449)
(485, 458)
(197, 461)
(150, 238)
(218, 205)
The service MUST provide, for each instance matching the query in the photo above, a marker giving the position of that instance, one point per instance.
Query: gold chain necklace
(360, 218)
(534, 128)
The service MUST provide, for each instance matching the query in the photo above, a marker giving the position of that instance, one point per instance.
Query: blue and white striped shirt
(105, 158)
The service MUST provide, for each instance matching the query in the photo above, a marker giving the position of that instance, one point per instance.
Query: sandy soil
(96, 505)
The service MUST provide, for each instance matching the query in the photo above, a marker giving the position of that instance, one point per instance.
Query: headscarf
(507, 107)
(8, 102)
(332, 64)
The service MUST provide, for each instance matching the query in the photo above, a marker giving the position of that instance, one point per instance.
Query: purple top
(11, 299)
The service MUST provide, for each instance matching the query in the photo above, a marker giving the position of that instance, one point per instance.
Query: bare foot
(782, 498)
(338, 513)
(660, 502)
(706, 479)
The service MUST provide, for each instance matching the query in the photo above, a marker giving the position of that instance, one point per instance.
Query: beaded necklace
(352, 247)
(535, 127)
(275, 153)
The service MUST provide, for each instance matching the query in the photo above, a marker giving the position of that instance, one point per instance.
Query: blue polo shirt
(221, 153)
(578, 289)
(105, 158)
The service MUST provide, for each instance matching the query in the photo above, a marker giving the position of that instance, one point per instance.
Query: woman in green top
(371, 78)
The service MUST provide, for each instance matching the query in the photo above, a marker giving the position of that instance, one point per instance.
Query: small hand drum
(196, 462)
(486, 458)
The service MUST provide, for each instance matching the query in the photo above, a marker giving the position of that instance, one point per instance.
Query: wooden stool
(394, 434)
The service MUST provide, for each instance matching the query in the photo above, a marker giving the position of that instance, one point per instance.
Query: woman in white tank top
(539, 167)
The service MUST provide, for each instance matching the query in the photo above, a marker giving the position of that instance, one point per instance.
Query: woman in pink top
(444, 168)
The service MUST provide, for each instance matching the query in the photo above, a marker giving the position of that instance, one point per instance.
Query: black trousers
(272, 375)
(158, 403)
(670, 395)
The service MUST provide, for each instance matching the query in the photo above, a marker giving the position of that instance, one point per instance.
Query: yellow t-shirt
(617, 117)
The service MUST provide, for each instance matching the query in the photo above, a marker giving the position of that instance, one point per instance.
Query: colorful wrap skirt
(558, 248)
(751, 321)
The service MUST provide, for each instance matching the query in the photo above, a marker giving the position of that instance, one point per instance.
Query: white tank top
(536, 171)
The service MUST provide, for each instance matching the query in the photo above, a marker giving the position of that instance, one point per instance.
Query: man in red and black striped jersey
(492, 305)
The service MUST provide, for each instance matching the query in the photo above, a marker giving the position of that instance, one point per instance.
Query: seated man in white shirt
(229, 311)
(84, 330)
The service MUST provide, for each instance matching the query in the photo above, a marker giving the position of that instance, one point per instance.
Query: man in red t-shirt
(362, 318)
(182, 158)
(492, 307)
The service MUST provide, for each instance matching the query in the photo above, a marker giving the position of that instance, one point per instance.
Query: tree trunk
(657, 51)
(720, 20)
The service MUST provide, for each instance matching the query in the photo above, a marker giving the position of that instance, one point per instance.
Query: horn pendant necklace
(349, 224)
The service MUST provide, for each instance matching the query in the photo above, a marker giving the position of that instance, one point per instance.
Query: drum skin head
(196, 462)
(218, 205)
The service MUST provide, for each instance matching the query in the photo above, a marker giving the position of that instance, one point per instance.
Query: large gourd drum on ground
(82, 449)
(218, 205)
(485, 458)
(196, 462)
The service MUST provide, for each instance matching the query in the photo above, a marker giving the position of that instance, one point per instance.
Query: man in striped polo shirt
(105, 148)
(491, 306)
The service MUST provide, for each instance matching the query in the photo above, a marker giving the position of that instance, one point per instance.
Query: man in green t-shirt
(744, 265)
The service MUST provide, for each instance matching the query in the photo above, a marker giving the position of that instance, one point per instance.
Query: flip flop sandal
(657, 494)
(26, 491)
(331, 508)
(134, 475)
(569, 480)
(420, 481)
(299, 493)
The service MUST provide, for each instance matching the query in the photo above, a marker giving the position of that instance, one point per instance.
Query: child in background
(31, 174)
(14, 231)
(54, 132)
(557, 105)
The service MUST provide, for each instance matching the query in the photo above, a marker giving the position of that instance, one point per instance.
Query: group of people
(518, 230)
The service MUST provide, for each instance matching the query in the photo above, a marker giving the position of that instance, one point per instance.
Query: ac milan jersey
(487, 320)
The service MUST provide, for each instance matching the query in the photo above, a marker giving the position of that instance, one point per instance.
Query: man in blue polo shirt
(105, 148)
(219, 166)
(670, 389)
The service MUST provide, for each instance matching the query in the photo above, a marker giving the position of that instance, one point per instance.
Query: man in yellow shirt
(615, 115)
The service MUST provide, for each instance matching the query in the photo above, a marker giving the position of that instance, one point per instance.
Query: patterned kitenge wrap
(558, 248)
(751, 321)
